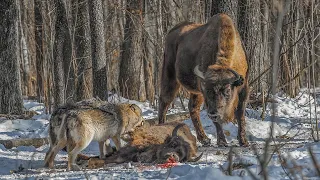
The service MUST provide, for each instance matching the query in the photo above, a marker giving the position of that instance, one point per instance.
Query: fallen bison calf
(156, 144)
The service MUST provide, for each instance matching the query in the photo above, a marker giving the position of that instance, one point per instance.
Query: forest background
(68, 50)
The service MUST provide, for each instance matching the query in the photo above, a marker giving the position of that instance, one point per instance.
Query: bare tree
(59, 48)
(132, 79)
(83, 52)
(99, 63)
(39, 51)
(113, 22)
(28, 47)
(67, 46)
(249, 24)
(11, 96)
(150, 46)
(229, 7)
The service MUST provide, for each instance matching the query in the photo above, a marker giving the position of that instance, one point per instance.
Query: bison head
(174, 148)
(219, 87)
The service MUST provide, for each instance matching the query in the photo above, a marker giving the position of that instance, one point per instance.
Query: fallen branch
(261, 101)
(26, 115)
(36, 142)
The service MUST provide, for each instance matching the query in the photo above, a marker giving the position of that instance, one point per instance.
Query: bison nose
(172, 157)
(167, 156)
(213, 116)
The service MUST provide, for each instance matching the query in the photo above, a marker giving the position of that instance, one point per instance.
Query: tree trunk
(250, 31)
(229, 7)
(39, 51)
(69, 51)
(59, 59)
(160, 44)
(83, 53)
(149, 47)
(48, 51)
(99, 63)
(29, 45)
(132, 81)
(10, 89)
(113, 20)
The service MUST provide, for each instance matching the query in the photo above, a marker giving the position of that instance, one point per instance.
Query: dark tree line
(69, 50)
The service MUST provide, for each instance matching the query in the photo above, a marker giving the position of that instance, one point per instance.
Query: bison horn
(175, 130)
(198, 73)
(196, 158)
(236, 75)
(237, 80)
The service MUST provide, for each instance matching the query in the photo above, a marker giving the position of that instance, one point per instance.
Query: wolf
(75, 127)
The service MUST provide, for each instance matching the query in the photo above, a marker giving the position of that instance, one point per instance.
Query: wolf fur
(75, 127)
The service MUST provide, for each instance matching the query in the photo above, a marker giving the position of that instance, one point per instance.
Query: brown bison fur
(210, 62)
(157, 134)
(177, 143)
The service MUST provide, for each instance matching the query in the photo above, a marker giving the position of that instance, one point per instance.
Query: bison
(209, 61)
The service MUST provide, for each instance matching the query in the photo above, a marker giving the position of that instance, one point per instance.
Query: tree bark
(149, 39)
(84, 84)
(39, 49)
(69, 64)
(132, 79)
(29, 45)
(113, 20)
(229, 7)
(160, 47)
(59, 59)
(10, 89)
(99, 63)
(250, 32)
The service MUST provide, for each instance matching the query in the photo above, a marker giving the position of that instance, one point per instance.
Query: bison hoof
(222, 144)
(205, 142)
(244, 144)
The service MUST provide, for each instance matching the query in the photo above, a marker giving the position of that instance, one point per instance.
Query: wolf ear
(133, 107)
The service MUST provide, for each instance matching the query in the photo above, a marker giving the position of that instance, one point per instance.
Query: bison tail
(196, 158)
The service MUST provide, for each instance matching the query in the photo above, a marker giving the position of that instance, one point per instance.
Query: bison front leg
(194, 108)
(221, 139)
(243, 95)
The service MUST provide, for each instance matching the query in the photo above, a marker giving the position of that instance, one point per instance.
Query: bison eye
(173, 144)
(209, 91)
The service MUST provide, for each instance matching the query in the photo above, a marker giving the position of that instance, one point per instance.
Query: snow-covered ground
(292, 129)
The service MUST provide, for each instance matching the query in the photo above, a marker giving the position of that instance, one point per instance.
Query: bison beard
(210, 62)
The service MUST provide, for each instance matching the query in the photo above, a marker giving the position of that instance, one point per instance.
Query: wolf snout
(126, 136)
